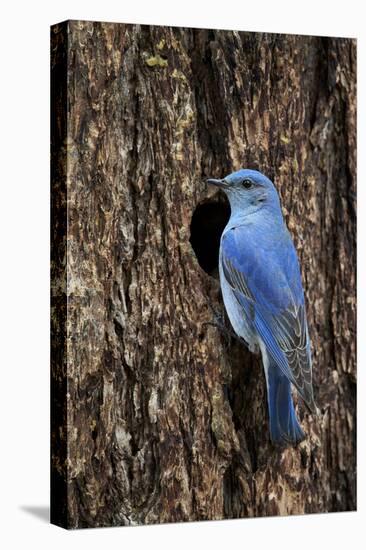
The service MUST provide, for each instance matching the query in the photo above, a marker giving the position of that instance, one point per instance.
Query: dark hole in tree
(208, 222)
(247, 384)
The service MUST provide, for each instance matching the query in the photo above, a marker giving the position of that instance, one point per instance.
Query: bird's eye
(247, 184)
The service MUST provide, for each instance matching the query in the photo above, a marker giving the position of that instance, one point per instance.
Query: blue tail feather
(284, 426)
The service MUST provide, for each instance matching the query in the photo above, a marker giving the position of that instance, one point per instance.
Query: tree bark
(158, 416)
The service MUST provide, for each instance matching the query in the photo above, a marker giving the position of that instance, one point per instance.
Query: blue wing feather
(265, 277)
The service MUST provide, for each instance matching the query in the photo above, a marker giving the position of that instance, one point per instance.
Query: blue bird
(263, 296)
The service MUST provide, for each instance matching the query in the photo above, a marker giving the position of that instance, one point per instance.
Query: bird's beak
(219, 183)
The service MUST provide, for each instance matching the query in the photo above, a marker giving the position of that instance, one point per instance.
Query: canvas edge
(58, 273)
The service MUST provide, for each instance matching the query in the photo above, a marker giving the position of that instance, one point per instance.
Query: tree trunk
(158, 416)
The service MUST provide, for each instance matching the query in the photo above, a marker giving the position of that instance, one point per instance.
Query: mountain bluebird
(263, 296)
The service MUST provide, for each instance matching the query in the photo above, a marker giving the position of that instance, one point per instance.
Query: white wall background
(24, 247)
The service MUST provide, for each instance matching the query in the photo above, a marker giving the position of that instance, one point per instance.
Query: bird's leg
(219, 322)
(228, 332)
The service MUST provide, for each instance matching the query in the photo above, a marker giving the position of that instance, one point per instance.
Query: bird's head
(248, 191)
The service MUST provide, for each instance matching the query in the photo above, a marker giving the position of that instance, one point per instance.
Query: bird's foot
(219, 322)
(228, 332)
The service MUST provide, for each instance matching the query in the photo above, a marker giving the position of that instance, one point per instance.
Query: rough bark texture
(157, 416)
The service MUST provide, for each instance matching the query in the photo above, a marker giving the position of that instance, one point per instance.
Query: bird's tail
(284, 426)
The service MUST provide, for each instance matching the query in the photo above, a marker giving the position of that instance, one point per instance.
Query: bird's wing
(266, 281)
